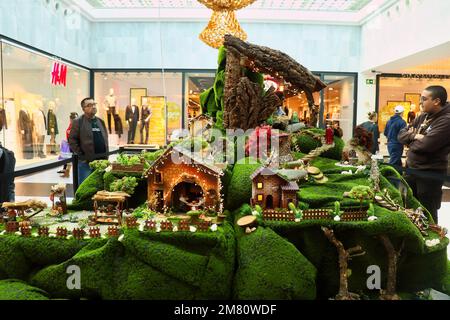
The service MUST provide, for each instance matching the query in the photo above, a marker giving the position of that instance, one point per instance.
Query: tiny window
(158, 177)
(260, 197)
(259, 185)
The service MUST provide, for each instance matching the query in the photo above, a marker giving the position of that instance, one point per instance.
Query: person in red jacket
(73, 115)
(329, 134)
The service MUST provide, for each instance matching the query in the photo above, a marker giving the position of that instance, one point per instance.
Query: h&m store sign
(59, 74)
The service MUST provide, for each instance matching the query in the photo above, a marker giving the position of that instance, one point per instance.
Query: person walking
(372, 126)
(429, 146)
(393, 127)
(65, 152)
(88, 138)
(337, 129)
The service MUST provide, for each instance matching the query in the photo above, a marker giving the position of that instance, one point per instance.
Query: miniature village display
(184, 181)
(196, 217)
(108, 207)
(356, 151)
(20, 209)
(58, 207)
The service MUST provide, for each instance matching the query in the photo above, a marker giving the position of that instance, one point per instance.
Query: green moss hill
(280, 260)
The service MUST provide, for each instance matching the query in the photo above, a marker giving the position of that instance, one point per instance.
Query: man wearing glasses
(88, 138)
(429, 146)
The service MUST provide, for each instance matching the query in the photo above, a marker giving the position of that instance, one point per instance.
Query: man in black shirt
(88, 138)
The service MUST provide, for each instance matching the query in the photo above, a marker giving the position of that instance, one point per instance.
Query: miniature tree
(99, 165)
(361, 193)
(337, 209)
(344, 256)
(297, 212)
(393, 257)
(371, 211)
(194, 214)
(126, 184)
(375, 176)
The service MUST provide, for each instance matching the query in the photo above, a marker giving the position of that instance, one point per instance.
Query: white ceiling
(353, 12)
(431, 61)
(309, 5)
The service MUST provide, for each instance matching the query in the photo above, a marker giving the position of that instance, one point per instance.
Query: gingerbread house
(275, 188)
(182, 180)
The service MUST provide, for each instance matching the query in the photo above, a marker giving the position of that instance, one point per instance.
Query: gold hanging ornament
(223, 21)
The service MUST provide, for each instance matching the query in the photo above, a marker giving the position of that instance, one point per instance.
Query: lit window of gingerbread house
(181, 180)
(275, 188)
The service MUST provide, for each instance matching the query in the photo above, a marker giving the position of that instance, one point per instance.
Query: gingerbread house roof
(195, 157)
(291, 186)
(288, 175)
(110, 196)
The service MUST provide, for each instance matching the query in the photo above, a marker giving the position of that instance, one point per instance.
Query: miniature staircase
(313, 154)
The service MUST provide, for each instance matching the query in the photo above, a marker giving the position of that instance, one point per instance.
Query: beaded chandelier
(223, 21)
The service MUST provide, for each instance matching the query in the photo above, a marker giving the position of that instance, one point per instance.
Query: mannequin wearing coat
(39, 128)
(25, 126)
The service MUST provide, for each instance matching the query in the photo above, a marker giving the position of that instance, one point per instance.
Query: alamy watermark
(74, 280)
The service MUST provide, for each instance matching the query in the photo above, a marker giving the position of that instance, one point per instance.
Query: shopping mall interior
(372, 55)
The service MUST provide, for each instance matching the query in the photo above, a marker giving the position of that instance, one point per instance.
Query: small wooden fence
(278, 215)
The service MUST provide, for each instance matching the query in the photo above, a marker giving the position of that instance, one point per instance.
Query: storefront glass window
(405, 91)
(196, 83)
(156, 96)
(37, 104)
(338, 102)
(297, 106)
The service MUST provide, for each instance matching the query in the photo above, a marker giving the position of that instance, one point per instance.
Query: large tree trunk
(344, 256)
(393, 256)
(246, 108)
(276, 63)
(232, 76)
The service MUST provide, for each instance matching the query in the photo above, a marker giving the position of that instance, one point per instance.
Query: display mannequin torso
(39, 122)
(52, 123)
(110, 101)
(146, 113)
(24, 121)
(3, 122)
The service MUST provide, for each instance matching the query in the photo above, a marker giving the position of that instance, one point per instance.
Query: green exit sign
(370, 81)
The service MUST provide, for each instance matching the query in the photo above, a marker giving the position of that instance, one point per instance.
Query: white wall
(41, 26)
(404, 30)
(401, 37)
(366, 96)
(138, 45)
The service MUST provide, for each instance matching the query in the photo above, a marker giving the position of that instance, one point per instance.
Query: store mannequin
(132, 118)
(52, 122)
(110, 106)
(3, 120)
(146, 114)
(25, 129)
(39, 127)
